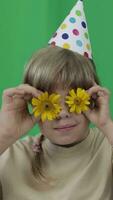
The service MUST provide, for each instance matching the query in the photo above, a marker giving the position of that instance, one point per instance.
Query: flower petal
(43, 116)
(35, 101)
(36, 113)
(72, 109)
(77, 110)
(72, 93)
(49, 116)
(54, 97)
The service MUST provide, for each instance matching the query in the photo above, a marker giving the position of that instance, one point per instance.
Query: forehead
(61, 90)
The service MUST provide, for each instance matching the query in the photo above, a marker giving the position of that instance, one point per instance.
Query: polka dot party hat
(73, 32)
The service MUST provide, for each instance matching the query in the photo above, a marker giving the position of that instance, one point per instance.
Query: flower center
(77, 101)
(47, 106)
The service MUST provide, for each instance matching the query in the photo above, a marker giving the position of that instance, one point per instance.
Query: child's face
(56, 130)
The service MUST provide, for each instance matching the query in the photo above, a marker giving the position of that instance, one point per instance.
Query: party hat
(73, 32)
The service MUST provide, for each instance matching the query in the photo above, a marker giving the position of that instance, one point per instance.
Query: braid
(37, 145)
(36, 162)
(37, 169)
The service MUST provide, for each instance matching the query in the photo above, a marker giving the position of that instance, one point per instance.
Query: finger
(87, 113)
(95, 84)
(24, 90)
(94, 89)
(98, 90)
(30, 90)
(104, 91)
(9, 93)
(26, 97)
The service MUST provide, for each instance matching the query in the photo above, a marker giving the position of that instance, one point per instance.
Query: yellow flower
(78, 101)
(46, 106)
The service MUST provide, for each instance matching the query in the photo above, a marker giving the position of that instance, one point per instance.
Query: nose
(64, 112)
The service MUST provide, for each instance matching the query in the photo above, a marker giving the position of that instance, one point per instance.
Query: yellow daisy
(78, 101)
(46, 106)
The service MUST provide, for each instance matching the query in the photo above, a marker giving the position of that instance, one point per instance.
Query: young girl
(68, 160)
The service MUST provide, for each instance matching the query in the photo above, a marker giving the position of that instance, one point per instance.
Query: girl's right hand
(15, 119)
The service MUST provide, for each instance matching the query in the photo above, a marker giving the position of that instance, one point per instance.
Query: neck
(74, 143)
(69, 145)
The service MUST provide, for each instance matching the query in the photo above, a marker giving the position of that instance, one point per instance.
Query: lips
(66, 126)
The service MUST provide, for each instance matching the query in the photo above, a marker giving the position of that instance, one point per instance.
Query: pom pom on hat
(73, 32)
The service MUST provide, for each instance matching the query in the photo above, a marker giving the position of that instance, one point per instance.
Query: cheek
(81, 118)
(85, 118)
(85, 121)
(45, 127)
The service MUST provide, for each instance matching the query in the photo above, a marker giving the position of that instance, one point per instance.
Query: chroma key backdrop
(28, 25)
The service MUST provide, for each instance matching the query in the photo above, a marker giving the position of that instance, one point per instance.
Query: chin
(67, 140)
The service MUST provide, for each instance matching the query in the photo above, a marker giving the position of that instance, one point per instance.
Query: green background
(27, 25)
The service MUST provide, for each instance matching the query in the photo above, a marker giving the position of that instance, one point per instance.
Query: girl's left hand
(100, 114)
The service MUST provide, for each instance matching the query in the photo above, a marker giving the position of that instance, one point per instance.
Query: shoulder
(99, 140)
(18, 155)
(97, 135)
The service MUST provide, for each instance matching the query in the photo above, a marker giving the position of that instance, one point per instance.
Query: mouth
(65, 127)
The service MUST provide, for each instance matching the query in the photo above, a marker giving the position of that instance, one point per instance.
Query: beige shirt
(81, 172)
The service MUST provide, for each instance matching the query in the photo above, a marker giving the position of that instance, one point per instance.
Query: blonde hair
(51, 66)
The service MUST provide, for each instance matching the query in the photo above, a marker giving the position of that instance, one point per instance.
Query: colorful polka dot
(63, 26)
(83, 24)
(53, 43)
(66, 46)
(86, 35)
(72, 33)
(88, 46)
(75, 32)
(78, 13)
(86, 54)
(79, 43)
(55, 34)
(72, 20)
(65, 36)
